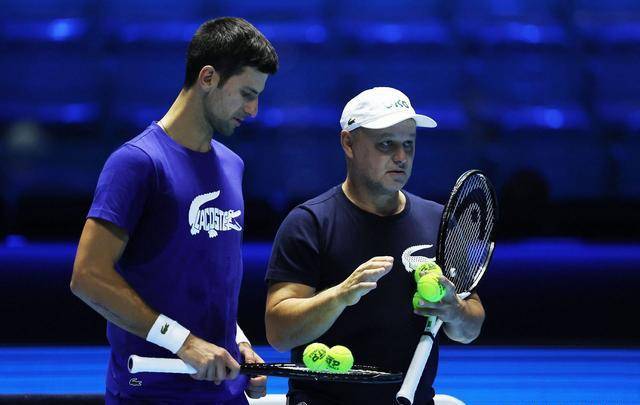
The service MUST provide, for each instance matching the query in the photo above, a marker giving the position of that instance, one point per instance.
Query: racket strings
(357, 370)
(467, 244)
(475, 253)
(358, 374)
(472, 254)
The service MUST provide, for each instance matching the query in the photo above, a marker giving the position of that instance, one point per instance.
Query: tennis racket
(357, 374)
(465, 245)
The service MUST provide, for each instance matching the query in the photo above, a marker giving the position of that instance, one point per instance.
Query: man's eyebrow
(251, 89)
(385, 134)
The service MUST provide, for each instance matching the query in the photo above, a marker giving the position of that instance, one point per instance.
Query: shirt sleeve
(123, 187)
(295, 256)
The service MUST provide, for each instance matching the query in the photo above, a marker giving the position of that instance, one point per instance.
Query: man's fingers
(256, 393)
(207, 372)
(374, 274)
(257, 387)
(379, 261)
(426, 312)
(376, 264)
(367, 286)
(220, 372)
(257, 358)
(231, 367)
(200, 375)
(447, 284)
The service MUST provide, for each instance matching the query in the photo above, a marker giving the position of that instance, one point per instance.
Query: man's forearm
(297, 321)
(467, 327)
(111, 296)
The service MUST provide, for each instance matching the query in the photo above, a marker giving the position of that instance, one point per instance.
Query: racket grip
(137, 364)
(418, 362)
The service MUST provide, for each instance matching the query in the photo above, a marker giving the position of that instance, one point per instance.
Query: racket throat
(431, 323)
(431, 328)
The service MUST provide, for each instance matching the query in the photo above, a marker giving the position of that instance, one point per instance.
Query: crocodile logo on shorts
(134, 382)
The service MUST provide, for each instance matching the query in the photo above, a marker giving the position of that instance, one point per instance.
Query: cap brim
(384, 122)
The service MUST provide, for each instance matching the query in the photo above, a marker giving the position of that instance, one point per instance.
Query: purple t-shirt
(184, 213)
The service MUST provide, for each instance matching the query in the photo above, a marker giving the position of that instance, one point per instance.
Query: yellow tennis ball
(314, 356)
(425, 268)
(430, 288)
(416, 298)
(339, 359)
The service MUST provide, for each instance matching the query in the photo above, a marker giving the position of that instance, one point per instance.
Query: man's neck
(381, 205)
(185, 124)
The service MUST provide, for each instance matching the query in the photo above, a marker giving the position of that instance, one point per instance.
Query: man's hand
(364, 279)
(257, 387)
(213, 363)
(449, 309)
(462, 319)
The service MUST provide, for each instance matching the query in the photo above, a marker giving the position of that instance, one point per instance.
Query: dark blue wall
(560, 292)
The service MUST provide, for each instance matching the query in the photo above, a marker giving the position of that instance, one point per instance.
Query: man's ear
(346, 140)
(208, 78)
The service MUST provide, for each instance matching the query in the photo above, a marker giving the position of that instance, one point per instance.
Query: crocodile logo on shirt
(211, 219)
(134, 382)
(411, 261)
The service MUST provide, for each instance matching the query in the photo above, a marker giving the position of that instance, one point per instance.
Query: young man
(160, 253)
(335, 274)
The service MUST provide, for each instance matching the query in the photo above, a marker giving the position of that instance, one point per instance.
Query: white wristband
(240, 336)
(167, 333)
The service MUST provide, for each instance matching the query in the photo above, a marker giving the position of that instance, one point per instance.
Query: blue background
(542, 95)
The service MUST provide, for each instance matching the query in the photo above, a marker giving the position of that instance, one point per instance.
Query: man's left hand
(257, 387)
(449, 309)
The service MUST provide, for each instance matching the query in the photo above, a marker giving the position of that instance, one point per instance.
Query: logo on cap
(351, 121)
(399, 103)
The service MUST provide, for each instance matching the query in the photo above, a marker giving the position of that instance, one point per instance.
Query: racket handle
(418, 362)
(137, 364)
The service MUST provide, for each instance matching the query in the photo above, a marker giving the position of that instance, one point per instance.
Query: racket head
(466, 236)
(362, 374)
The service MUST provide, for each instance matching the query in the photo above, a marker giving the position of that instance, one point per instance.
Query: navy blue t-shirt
(319, 244)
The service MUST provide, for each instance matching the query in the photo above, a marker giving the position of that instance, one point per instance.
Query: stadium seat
(520, 91)
(616, 90)
(606, 24)
(523, 24)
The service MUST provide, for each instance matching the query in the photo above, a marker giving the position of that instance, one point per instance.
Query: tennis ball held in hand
(430, 288)
(339, 359)
(426, 268)
(416, 299)
(314, 356)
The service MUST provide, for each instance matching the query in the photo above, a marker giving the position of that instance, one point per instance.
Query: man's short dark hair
(228, 44)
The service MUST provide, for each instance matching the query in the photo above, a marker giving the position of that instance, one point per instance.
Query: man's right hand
(364, 279)
(212, 362)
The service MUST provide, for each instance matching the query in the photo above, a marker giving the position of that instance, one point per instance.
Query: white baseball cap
(380, 107)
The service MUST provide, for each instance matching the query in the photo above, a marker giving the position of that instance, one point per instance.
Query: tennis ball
(416, 299)
(430, 288)
(314, 356)
(424, 268)
(339, 359)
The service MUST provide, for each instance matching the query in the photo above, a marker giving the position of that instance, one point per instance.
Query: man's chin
(398, 182)
(227, 131)
(393, 187)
